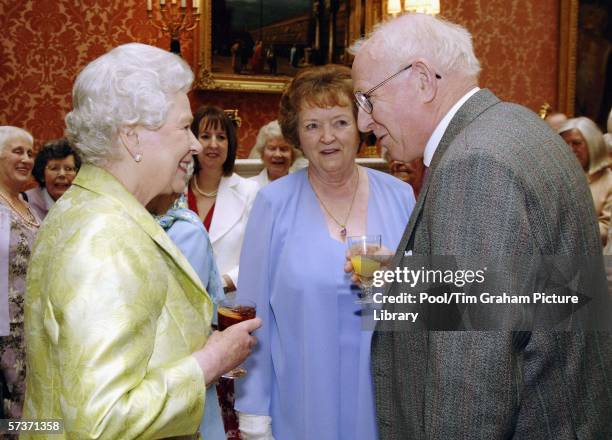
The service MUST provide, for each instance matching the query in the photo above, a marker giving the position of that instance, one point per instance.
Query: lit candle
(183, 3)
(149, 5)
(394, 6)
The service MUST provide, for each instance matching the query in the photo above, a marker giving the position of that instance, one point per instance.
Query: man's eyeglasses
(68, 170)
(363, 99)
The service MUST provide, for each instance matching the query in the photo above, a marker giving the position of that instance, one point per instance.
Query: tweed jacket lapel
(388, 347)
(469, 111)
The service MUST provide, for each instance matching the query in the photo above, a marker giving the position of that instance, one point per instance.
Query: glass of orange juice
(364, 254)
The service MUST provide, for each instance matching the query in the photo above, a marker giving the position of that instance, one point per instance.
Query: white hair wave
(133, 84)
(447, 45)
(266, 133)
(271, 130)
(10, 133)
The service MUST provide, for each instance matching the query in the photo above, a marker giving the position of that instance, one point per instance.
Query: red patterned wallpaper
(517, 45)
(45, 44)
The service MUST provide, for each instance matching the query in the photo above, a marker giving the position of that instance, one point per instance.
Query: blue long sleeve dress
(311, 369)
(186, 231)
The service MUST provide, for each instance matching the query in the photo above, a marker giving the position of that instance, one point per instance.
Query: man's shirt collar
(436, 136)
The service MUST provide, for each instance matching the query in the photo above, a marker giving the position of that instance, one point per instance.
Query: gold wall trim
(568, 35)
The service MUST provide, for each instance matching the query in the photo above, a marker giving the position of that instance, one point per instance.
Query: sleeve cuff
(254, 427)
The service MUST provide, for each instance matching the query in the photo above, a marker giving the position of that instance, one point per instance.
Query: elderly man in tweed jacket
(499, 182)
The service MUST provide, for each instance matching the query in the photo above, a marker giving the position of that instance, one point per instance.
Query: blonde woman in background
(587, 142)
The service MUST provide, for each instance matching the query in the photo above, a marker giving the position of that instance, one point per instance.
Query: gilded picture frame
(351, 20)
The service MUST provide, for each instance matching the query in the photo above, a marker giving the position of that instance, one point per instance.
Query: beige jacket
(600, 184)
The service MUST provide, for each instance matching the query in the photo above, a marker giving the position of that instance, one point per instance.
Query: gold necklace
(210, 195)
(342, 225)
(30, 219)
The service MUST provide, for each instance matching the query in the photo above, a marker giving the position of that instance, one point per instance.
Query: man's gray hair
(131, 85)
(9, 133)
(447, 45)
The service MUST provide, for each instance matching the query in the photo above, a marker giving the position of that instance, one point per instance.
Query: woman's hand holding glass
(227, 349)
(365, 255)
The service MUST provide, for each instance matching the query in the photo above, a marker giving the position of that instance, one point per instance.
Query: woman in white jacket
(223, 201)
(221, 198)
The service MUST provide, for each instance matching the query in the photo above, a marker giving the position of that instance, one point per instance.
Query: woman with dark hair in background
(222, 200)
(220, 197)
(55, 167)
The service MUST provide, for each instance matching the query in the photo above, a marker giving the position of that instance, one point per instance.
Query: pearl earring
(138, 157)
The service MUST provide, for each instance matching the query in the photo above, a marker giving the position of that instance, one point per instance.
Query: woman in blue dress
(185, 229)
(309, 377)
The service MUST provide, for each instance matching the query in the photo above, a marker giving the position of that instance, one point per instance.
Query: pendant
(343, 231)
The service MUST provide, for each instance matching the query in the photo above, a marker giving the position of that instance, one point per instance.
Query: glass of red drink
(230, 312)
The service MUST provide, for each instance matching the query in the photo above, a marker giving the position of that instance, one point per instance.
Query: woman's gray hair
(598, 153)
(447, 45)
(131, 85)
(9, 133)
(269, 131)
(272, 130)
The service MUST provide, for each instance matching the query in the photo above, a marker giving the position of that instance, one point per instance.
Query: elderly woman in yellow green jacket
(117, 321)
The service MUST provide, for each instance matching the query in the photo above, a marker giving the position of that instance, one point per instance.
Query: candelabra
(545, 109)
(173, 19)
(431, 7)
(232, 114)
